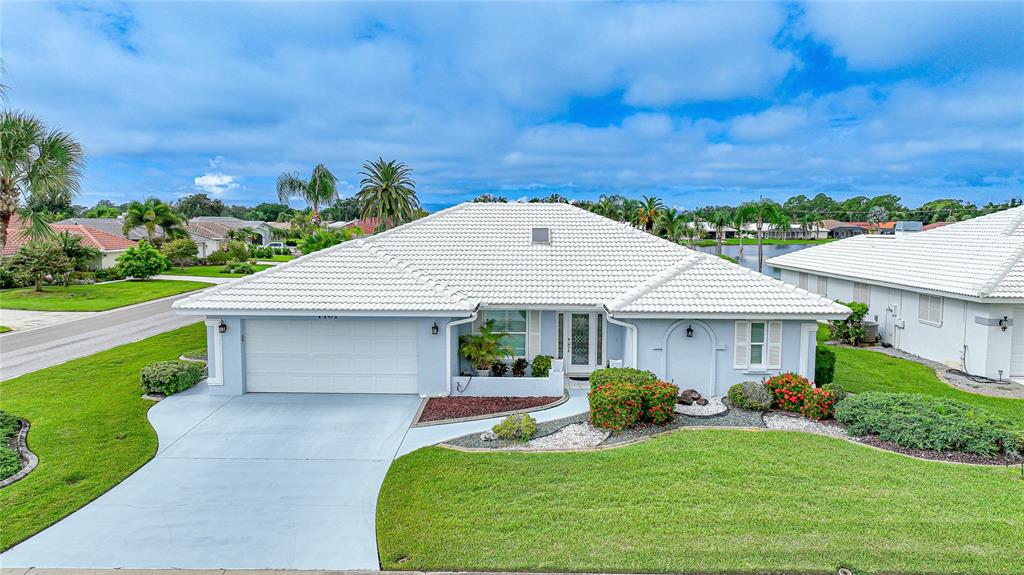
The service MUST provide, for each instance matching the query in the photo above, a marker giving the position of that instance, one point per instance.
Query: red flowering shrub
(818, 404)
(788, 391)
(659, 401)
(616, 405)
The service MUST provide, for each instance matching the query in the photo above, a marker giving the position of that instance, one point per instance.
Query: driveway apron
(270, 481)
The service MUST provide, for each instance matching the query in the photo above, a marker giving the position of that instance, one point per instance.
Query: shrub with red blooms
(659, 401)
(789, 391)
(818, 404)
(616, 405)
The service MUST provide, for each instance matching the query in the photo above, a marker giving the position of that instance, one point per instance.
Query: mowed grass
(95, 297)
(277, 258)
(706, 501)
(89, 429)
(211, 271)
(860, 370)
(4, 329)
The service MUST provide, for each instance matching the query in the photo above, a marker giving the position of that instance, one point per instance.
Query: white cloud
(215, 184)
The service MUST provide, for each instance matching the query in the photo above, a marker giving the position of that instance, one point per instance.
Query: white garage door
(331, 356)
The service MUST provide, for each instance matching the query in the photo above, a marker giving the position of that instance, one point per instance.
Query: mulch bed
(441, 408)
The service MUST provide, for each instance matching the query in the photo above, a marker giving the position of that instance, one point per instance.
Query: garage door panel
(335, 356)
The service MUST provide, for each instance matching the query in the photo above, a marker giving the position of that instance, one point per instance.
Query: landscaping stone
(774, 420)
(710, 406)
(488, 436)
(573, 436)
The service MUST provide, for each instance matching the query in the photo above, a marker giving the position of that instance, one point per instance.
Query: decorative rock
(689, 396)
(488, 436)
(574, 436)
(794, 423)
(710, 406)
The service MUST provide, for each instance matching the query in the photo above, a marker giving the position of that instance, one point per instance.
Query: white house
(383, 314)
(954, 294)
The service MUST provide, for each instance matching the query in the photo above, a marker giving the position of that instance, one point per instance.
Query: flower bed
(445, 408)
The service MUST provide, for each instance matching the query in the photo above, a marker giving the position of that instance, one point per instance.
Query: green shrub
(788, 391)
(8, 426)
(925, 422)
(751, 395)
(12, 276)
(198, 353)
(10, 462)
(818, 404)
(824, 366)
(110, 274)
(541, 366)
(616, 405)
(620, 374)
(238, 268)
(851, 329)
(142, 261)
(659, 401)
(218, 258)
(182, 251)
(169, 377)
(519, 367)
(836, 390)
(82, 278)
(499, 368)
(283, 251)
(516, 428)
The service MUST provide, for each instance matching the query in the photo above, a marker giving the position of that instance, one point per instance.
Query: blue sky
(697, 103)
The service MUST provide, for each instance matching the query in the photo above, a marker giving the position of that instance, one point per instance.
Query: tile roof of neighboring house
(927, 227)
(91, 237)
(475, 254)
(113, 226)
(979, 258)
(833, 224)
(211, 230)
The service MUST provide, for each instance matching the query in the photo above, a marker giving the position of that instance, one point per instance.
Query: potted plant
(485, 348)
(519, 367)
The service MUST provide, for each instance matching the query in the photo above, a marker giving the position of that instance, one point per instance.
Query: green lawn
(211, 271)
(277, 258)
(95, 297)
(859, 370)
(89, 429)
(4, 329)
(700, 501)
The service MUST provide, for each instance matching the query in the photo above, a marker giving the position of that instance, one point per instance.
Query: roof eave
(213, 312)
(727, 315)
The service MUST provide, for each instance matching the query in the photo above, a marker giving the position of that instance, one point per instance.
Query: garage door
(1017, 343)
(331, 356)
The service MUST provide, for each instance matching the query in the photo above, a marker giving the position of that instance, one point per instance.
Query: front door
(583, 343)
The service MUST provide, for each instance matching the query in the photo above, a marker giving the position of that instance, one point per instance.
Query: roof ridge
(995, 279)
(652, 283)
(423, 277)
(1014, 224)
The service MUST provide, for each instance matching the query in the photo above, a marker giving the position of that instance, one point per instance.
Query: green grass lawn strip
(94, 297)
(89, 429)
(211, 271)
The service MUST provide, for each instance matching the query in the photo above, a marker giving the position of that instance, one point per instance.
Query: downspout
(448, 352)
(632, 329)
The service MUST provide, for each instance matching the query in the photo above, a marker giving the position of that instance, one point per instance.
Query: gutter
(633, 333)
(448, 352)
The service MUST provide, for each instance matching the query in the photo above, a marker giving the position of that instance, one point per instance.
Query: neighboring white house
(383, 314)
(954, 294)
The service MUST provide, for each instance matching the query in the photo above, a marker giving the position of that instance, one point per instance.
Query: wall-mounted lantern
(222, 328)
(434, 330)
(689, 331)
(1003, 323)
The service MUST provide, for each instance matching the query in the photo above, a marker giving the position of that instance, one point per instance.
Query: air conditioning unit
(870, 331)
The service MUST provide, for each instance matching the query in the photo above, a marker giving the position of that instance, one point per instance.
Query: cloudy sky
(697, 103)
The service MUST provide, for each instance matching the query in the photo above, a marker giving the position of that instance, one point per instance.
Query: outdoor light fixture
(689, 331)
(1003, 323)
(222, 328)
(434, 330)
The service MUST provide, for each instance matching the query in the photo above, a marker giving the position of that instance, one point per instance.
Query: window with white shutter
(774, 360)
(758, 345)
(742, 345)
(929, 309)
(861, 292)
(802, 280)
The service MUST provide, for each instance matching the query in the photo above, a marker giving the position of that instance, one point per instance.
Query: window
(929, 309)
(561, 335)
(822, 286)
(861, 292)
(757, 333)
(802, 280)
(513, 323)
(758, 345)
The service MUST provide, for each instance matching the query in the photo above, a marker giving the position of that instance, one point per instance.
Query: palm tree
(667, 224)
(809, 222)
(151, 215)
(647, 212)
(719, 219)
(387, 192)
(760, 212)
(319, 189)
(34, 160)
(739, 219)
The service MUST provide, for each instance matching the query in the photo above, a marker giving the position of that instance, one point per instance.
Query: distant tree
(196, 205)
(759, 213)
(181, 251)
(269, 212)
(877, 215)
(82, 257)
(236, 211)
(809, 221)
(490, 199)
(719, 219)
(319, 189)
(34, 160)
(102, 209)
(322, 239)
(40, 260)
(344, 210)
(387, 192)
(647, 211)
(738, 220)
(142, 261)
(551, 199)
(670, 224)
(152, 214)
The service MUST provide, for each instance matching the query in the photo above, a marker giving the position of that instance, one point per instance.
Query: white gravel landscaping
(790, 423)
(714, 407)
(575, 436)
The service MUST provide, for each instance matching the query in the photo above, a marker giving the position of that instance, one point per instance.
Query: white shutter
(774, 345)
(741, 355)
(479, 321)
(801, 281)
(936, 309)
(822, 286)
(532, 334)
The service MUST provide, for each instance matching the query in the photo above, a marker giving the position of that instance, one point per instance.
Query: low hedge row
(170, 377)
(620, 375)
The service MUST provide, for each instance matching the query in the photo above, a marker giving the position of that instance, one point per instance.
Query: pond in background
(749, 259)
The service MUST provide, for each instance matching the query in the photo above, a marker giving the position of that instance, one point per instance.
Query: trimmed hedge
(170, 377)
(620, 374)
(752, 395)
(788, 391)
(824, 366)
(925, 422)
(616, 405)
(659, 401)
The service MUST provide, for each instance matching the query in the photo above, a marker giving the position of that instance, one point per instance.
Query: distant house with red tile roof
(110, 246)
(367, 225)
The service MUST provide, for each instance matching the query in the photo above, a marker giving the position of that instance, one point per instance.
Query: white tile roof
(979, 258)
(483, 254)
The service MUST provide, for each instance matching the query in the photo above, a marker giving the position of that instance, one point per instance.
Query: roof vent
(542, 235)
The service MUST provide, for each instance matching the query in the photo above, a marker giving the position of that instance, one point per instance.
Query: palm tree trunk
(718, 241)
(315, 215)
(8, 206)
(760, 246)
(5, 220)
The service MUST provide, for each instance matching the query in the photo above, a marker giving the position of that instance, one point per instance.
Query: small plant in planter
(541, 366)
(519, 367)
(499, 368)
(485, 348)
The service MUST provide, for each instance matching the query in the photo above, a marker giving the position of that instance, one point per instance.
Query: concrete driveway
(269, 481)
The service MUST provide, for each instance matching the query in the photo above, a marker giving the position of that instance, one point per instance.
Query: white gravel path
(574, 436)
(789, 423)
(714, 407)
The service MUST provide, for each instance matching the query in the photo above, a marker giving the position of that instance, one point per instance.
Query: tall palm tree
(809, 222)
(387, 192)
(320, 189)
(739, 219)
(667, 224)
(719, 219)
(151, 215)
(761, 212)
(34, 159)
(647, 212)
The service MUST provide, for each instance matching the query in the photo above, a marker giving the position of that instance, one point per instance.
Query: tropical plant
(719, 220)
(181, 251)
(142, 261)
(82, 257)
(319, 189)
(519, 367)
(320, 239)
(761, 212)
(40, 260)
(516, 428)
(850, 330)
(647, 211)
(541, 366)
(483, 349)
(387, 192)
(34, 159)
(809, 222)
(104, 209)
(670, 224)
(738, 220)
(152, 214)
